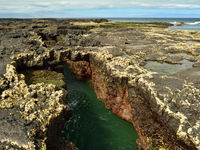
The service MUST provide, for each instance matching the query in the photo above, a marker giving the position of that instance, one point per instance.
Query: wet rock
(81, 68)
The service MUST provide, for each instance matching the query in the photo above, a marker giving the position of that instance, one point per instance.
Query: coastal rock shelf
(163, 108)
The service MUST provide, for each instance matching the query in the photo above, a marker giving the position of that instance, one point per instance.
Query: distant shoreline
(179, 23)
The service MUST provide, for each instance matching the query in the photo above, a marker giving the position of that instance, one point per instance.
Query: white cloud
(33, 6)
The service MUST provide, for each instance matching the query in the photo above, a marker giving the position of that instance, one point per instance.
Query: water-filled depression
(92, 126)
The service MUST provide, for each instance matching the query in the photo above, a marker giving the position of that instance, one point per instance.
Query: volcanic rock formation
(162, 105)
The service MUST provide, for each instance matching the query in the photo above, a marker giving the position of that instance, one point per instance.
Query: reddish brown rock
(115, 97)
(81, 68)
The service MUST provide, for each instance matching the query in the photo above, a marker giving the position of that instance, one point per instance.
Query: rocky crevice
(163, 109)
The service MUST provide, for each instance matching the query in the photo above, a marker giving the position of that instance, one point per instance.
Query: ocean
(189, 23)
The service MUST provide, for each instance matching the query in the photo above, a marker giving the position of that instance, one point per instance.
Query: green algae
(134, 24)
(92, 126)
(44, 76)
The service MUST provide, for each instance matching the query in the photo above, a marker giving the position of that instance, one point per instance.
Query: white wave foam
(174, 23)
(193, 23)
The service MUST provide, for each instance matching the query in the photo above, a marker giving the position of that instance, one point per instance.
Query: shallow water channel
(92, 126)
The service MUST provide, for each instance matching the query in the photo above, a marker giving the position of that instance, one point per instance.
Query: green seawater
(92, 126)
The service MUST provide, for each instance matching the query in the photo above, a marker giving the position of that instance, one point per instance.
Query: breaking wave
(193, 23)
(185, 23)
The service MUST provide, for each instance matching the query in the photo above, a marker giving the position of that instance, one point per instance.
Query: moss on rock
(44, 76)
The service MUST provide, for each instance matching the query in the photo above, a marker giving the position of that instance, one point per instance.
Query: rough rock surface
(164, 108)
(27, 111)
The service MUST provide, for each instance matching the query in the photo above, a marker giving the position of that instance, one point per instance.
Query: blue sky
(100, 8)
